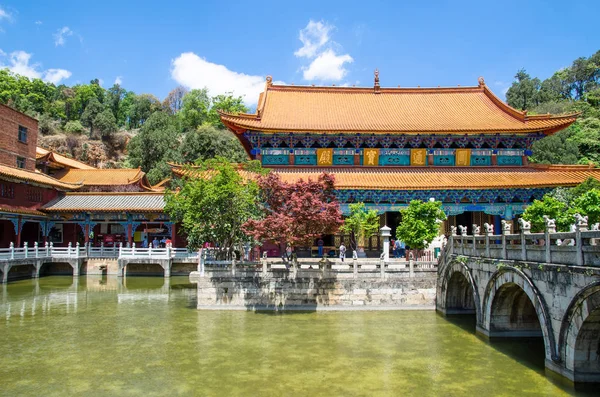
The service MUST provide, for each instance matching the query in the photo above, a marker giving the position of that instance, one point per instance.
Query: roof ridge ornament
(269, 80)
(481, 81)
(376, 86)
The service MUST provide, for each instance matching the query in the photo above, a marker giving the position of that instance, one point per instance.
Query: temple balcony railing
(580, 247)
(167, 252)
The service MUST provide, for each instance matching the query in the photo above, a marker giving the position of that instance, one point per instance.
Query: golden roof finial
(269, 80)
(376, 77)
(481, 81)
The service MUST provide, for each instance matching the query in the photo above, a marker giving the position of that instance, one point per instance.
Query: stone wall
(313, 290)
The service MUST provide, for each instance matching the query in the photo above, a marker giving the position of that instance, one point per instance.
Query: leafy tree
(295, 213)
(142, 107)
(213, 207)
(523, 93)
(550, 207)
(555, 149)
(420, 223)
(207, 142)
(588, 204)
(114, 100)
(73, 127)
(194, 108)
(225, 103)
(584, 187)
(361, 223)
(156, 143)
(88, 117)
(105, 123)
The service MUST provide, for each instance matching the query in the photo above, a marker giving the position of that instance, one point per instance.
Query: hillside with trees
(572, 89)
(114, 127)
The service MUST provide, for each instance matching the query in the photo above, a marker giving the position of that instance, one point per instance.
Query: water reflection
(143, 336)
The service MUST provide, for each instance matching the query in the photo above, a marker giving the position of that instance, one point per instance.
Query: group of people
(398, 248)
(156, 243)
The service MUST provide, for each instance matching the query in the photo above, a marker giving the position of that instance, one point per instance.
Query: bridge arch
(459, 291)
(579, 338)
(513, 305)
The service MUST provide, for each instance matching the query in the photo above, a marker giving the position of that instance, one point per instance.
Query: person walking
(342, 252)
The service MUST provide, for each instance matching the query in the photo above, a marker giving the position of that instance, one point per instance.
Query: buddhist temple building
(462, 146)
(49, 197)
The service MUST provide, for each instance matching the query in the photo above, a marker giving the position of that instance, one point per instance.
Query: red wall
(10, 146)
(21, 196)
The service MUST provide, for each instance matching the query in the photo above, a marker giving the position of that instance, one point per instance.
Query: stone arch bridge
(526, 285)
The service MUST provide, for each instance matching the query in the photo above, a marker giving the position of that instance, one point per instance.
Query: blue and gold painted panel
(443, 157)
(481, 157)
(275, 156)
(394, 157)
(343, 156)
(509, 157)
(305, 157)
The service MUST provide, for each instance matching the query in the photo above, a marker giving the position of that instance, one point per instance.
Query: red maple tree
(296, 213)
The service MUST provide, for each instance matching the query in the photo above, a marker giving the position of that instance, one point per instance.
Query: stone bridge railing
(578, 247)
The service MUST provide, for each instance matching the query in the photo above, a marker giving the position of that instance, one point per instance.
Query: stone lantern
(386, 233)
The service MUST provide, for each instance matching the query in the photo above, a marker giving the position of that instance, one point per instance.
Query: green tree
(213, 206)
(523, 94)
(551, 207)
(588, 204)
(114, 100)
(225, 103)
(105, 123)
(194, 108)
(207, 142)
(361, 224)
(420, 223)
(555, 149)
(142, 107)
(155, 144)
(73, 127)
(92, 110)
(583, 187)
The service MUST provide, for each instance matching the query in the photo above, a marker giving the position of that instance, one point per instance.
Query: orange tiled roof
(21, 211)
(474, 110)
(103, 177)
(437, 178)
(42, 154)
(18, 175)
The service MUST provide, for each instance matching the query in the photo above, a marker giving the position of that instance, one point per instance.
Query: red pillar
(173, 234)
(129, 234)
(86, 231)
(19, 230)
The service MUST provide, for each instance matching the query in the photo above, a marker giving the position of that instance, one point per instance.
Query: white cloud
(19, 64)
(192, 71)
(55, 76)
(2, 53)
(328, 66)
(60, 37)
(119, 80)
(313, 37)
(38, 22)
(5, 14)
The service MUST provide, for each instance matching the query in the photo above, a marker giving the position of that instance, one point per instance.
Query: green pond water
(144, 337)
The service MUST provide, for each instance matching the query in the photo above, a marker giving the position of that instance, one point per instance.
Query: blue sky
(151, 46)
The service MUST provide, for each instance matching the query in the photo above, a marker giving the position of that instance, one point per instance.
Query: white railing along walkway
(579, 247)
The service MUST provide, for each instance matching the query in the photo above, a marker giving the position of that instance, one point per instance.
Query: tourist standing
(342, 252)
(393, 247)
(320, 245)
(397, 249)
(145, 242)
(155, 242)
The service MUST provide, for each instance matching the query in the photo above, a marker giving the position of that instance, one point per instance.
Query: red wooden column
(129, 234)
(173, 235)
(86, 232)
(19, 230)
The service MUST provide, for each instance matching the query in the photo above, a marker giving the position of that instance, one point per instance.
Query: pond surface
(144, 337)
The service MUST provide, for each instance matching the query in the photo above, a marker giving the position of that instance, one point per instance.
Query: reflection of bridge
(530, 284)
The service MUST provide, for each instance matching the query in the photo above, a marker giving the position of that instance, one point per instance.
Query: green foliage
(73, 127)
(555, 149)
(550, 207)
(106, 123)
(207, 142)
(212, 208)
(194, 108)
(584, 187)
(361, 223)
(523, 94)
(225, 103)
(92, 110)
(156, 143)
(420, 223)
(588, 204)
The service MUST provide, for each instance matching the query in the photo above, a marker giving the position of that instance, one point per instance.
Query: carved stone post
(525, 229)
(581, 225)
(463, 234)
(452, 238)
(264, 263)
(505, 231)
(550, 228)
(476, 230)
(489, 231)
(36, 249)
(26, 249)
